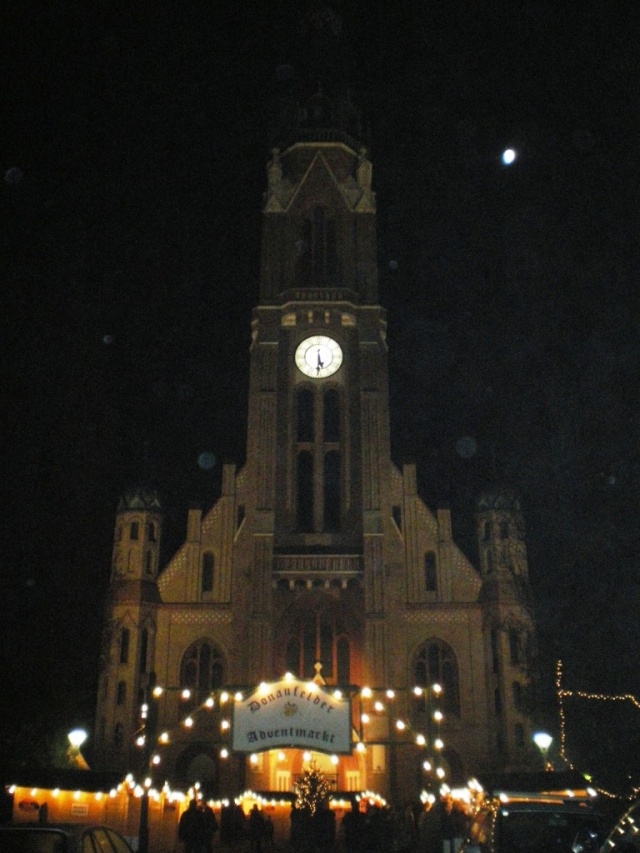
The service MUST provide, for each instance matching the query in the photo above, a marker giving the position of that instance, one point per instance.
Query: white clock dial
(318, 356)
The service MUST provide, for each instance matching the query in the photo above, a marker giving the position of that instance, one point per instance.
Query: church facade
(319, 558)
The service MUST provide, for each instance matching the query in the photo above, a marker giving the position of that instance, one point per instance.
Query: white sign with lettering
(292, 713)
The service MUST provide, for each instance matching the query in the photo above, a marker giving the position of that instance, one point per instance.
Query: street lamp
(543, 741)
(76, 738)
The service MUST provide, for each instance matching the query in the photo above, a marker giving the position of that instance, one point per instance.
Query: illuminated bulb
(379, 706)
(427, 766)
(360, 747)
(224, 725)
(253, 759)
(400, 725)
(440, 773)
(312, 686)
(224, 753)
(263, 687)
(306, 756)
(334, 759)
(186, 693)
(140, 740)
(281, 756)
(188, 722)
(365, 692)
(421, 740)
(417, 691)
(438, 743)
(437, 689)
(391, 694)
(337, 694)
(364, 718)
(288, 676)
(156, 760)
(224, 696)
(209, 702)
(164, 737)
(438, 716)
(55, 792)
(157, 691)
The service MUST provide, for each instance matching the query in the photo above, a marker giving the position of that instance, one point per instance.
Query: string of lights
(372, 703)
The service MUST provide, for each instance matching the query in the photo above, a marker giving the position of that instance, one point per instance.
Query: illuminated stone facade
(320, 548)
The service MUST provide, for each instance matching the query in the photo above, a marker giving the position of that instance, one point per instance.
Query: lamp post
(543, 741)
(76, 738)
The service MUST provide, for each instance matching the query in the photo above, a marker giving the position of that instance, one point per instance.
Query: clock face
(318, 356)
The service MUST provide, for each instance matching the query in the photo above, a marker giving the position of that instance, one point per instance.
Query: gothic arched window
(304, 492)
(332, 491)
(317, 249)
(304, 415)
(504, 529)
(124, 645)
(318, 635)
(206, 581)
(436, 663)
(331, 415)
(134, 530)
(202, 669)
(430, 574)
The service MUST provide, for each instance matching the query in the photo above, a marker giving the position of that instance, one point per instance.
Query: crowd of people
(440, 828)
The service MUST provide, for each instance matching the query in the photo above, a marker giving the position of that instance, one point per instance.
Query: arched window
(332, 491)
(134, 530)
(121, 694)
(118, 735)
(331, 415)
(144, 649)
(202, 669)
(304, 415)
(516, 692)
(486, 531)
(206, 581)
(124, 645)
(304, 492)
(317, 249)
(151, 532)
(515, 652)
(489, 560)
(430, 574)
(436, 663)
(318, 635)
(504, 529)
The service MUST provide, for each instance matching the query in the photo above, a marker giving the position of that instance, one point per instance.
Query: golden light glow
(366, 692)
(436, 688)
(164, 737)
(225, 724)
(379, 707)
(157, 691)
(391, 694)
(417, 691)
(421, 740)
(400, 725)
(438, 716)
(209, 702)
(224, 697)
(186, 693)
(188, 722)
(224, 753)
(364, 718)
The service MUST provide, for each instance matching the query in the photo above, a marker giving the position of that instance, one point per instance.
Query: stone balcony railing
(309, 570)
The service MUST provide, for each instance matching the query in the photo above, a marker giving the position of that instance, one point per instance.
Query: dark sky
(133, 150)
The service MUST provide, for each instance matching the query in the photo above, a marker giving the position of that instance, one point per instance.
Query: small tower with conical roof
(130, 624)
(508, 623)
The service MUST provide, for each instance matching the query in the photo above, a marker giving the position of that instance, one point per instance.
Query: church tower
(319, 558)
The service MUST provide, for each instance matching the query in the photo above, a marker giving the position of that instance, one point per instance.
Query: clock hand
(320, 362)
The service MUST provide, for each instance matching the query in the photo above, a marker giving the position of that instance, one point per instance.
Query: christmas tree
(312, 789)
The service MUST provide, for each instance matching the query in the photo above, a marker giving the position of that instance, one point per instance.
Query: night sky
(133, 148)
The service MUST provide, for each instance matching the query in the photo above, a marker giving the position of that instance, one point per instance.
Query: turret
(136, 545)
(501, 540)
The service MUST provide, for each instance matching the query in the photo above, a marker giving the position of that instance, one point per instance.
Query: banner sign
(292, 713)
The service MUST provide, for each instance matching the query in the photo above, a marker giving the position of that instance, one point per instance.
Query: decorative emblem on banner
(292, 713)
